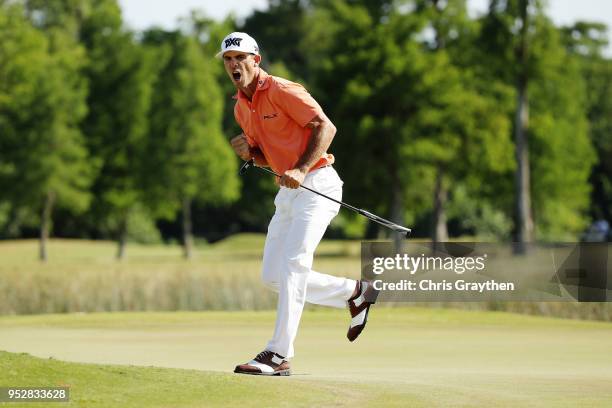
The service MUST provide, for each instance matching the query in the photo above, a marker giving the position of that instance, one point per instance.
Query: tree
(187, 157)
(421, 124)
(501, 23)
(241, 215)
(464, 118)
(586, 42)
(358, 66)
(279, 31)
(47, 164)
(121, 75)
(64, 15)
(521, 47)
(24, 52)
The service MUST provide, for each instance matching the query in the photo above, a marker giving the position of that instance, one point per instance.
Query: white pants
(294, 233)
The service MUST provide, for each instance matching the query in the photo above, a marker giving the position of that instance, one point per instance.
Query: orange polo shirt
(275, 121)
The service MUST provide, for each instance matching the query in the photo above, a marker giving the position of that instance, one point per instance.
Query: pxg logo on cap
(238, 41)
(233, 42)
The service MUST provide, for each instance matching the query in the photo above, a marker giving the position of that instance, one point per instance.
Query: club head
(245, 166)
(402, 230)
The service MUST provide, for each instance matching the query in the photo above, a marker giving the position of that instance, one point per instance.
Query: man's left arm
(323, 132)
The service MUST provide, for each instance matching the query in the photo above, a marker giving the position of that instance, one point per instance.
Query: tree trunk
(524, 220)
(439, 228)
(523, 213)
(397, 215)
(439, 231)
(45, 224)
(187, 233)
(123, 234)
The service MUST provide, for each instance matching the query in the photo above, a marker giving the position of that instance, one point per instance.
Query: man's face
(241, 67)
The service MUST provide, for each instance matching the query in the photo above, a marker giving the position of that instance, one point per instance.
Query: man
(285, 128)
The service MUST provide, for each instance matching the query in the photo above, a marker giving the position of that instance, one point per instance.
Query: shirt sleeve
(296, 102)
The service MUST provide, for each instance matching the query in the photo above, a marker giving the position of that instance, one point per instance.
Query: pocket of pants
(327, 181)
(330, 184)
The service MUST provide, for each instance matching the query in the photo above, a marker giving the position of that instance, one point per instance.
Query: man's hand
(241, 147)
(292, 178)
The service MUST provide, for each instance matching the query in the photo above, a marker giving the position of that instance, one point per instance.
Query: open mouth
(236, 76)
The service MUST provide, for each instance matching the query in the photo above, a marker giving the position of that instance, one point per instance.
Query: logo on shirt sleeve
(270, 116)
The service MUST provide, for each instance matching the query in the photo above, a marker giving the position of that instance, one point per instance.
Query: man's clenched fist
(292, 178)
(241, 147)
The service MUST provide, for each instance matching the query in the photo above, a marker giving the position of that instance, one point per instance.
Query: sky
(141, 14)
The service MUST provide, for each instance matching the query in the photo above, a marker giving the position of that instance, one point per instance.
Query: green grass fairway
(95, 385)
(406, 357)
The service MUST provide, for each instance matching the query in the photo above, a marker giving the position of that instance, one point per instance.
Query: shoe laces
(267, 354)
(264, 354)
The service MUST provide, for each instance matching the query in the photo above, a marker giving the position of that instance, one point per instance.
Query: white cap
(238, 42)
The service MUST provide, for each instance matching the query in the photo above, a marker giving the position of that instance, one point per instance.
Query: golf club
(367, 214)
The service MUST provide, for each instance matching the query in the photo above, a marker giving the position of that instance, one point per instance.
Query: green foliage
(409, 111)
(254, 188)
(487, 222)
(359, 66)
(599, 83)
(141, 227)
(585, 41)
(279, 30)
(64, 15)
(351, 225)
(586, 38)
(419, 92)
(121, 76)
(209, 35)
(23, 51)
(42, 102)
(561, 154)
(186, 154)
(4, 213)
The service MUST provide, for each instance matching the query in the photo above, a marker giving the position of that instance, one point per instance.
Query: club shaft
(369, 215)
(345, 205)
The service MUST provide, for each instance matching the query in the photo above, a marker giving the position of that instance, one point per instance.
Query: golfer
(284, 128)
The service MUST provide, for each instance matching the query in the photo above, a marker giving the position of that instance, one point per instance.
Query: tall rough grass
(82, 276)
(175, 287)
